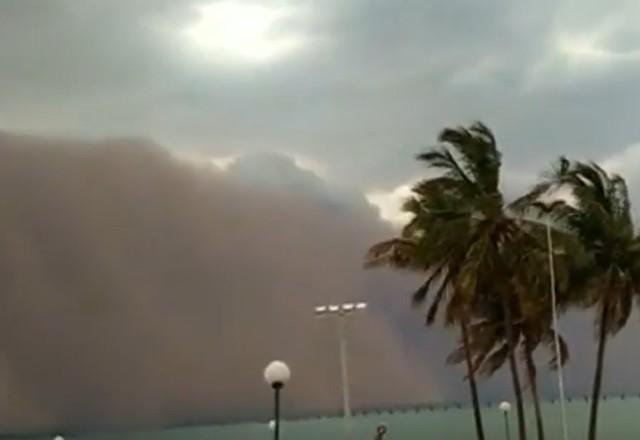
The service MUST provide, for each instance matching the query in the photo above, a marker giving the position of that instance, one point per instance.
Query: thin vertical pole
(507, 431)
(556, 330)
(276, 405)
(346, 402)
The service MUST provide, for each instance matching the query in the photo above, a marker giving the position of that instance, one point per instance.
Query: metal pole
(276, 404)
(554, 312)
(507, 431)
(346, 402)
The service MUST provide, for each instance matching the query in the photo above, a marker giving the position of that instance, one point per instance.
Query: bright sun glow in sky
(238, 30)
(582, 48)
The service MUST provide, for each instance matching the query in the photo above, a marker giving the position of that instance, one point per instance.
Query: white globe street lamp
(277, 374)
(505, 407)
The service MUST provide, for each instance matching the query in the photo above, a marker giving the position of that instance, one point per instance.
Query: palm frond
(457, 356)
(441, 158)
(549, 341)
(445, 285)
(418, 297)
(495, 360)
(395, 252)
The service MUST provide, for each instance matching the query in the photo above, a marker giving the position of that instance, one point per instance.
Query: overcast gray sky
(369, 81)
(346, 92)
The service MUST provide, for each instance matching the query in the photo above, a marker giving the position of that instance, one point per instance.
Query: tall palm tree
(534, 335)
(489, 346)
(410, 252)
(535, 307)
(464, 239)
(597, 210)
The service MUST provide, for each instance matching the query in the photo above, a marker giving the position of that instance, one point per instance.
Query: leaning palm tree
(463, 238)
(424, 247)
(532, 328)
(598, 212)
(535, 332)
(542, 284)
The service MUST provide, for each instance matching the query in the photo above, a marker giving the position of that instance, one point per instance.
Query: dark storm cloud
(376, 80)
(141, 290)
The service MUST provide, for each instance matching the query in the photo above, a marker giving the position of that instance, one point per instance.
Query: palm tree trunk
(533, 384)
(597, 380)
(513, 366)
(472, 380)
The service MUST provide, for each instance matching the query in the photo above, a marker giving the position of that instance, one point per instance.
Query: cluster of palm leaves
(489, 266)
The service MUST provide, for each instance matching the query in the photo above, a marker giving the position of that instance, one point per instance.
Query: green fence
(619, 420)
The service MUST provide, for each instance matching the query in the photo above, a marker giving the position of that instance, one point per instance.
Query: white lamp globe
(277, 374)
(272, 425)
(505, 406)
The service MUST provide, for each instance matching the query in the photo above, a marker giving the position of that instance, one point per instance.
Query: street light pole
(341, 311)
(547, 209)
(276, 406)
(277, 374)
(344, 372)
(556, 331)
(505, 407)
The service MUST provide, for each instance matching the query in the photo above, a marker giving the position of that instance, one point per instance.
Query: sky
(164, 146)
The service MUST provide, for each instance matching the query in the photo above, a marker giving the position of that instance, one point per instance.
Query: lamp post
(556, 331)
(277, 374)
(505, 407)
(341, 311)
(547, 209)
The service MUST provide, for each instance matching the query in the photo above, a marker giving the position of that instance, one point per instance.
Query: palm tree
(535, 308)
(410, 252)
(597, 210)
(533, 334)
(489, 346)
(464, 239)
